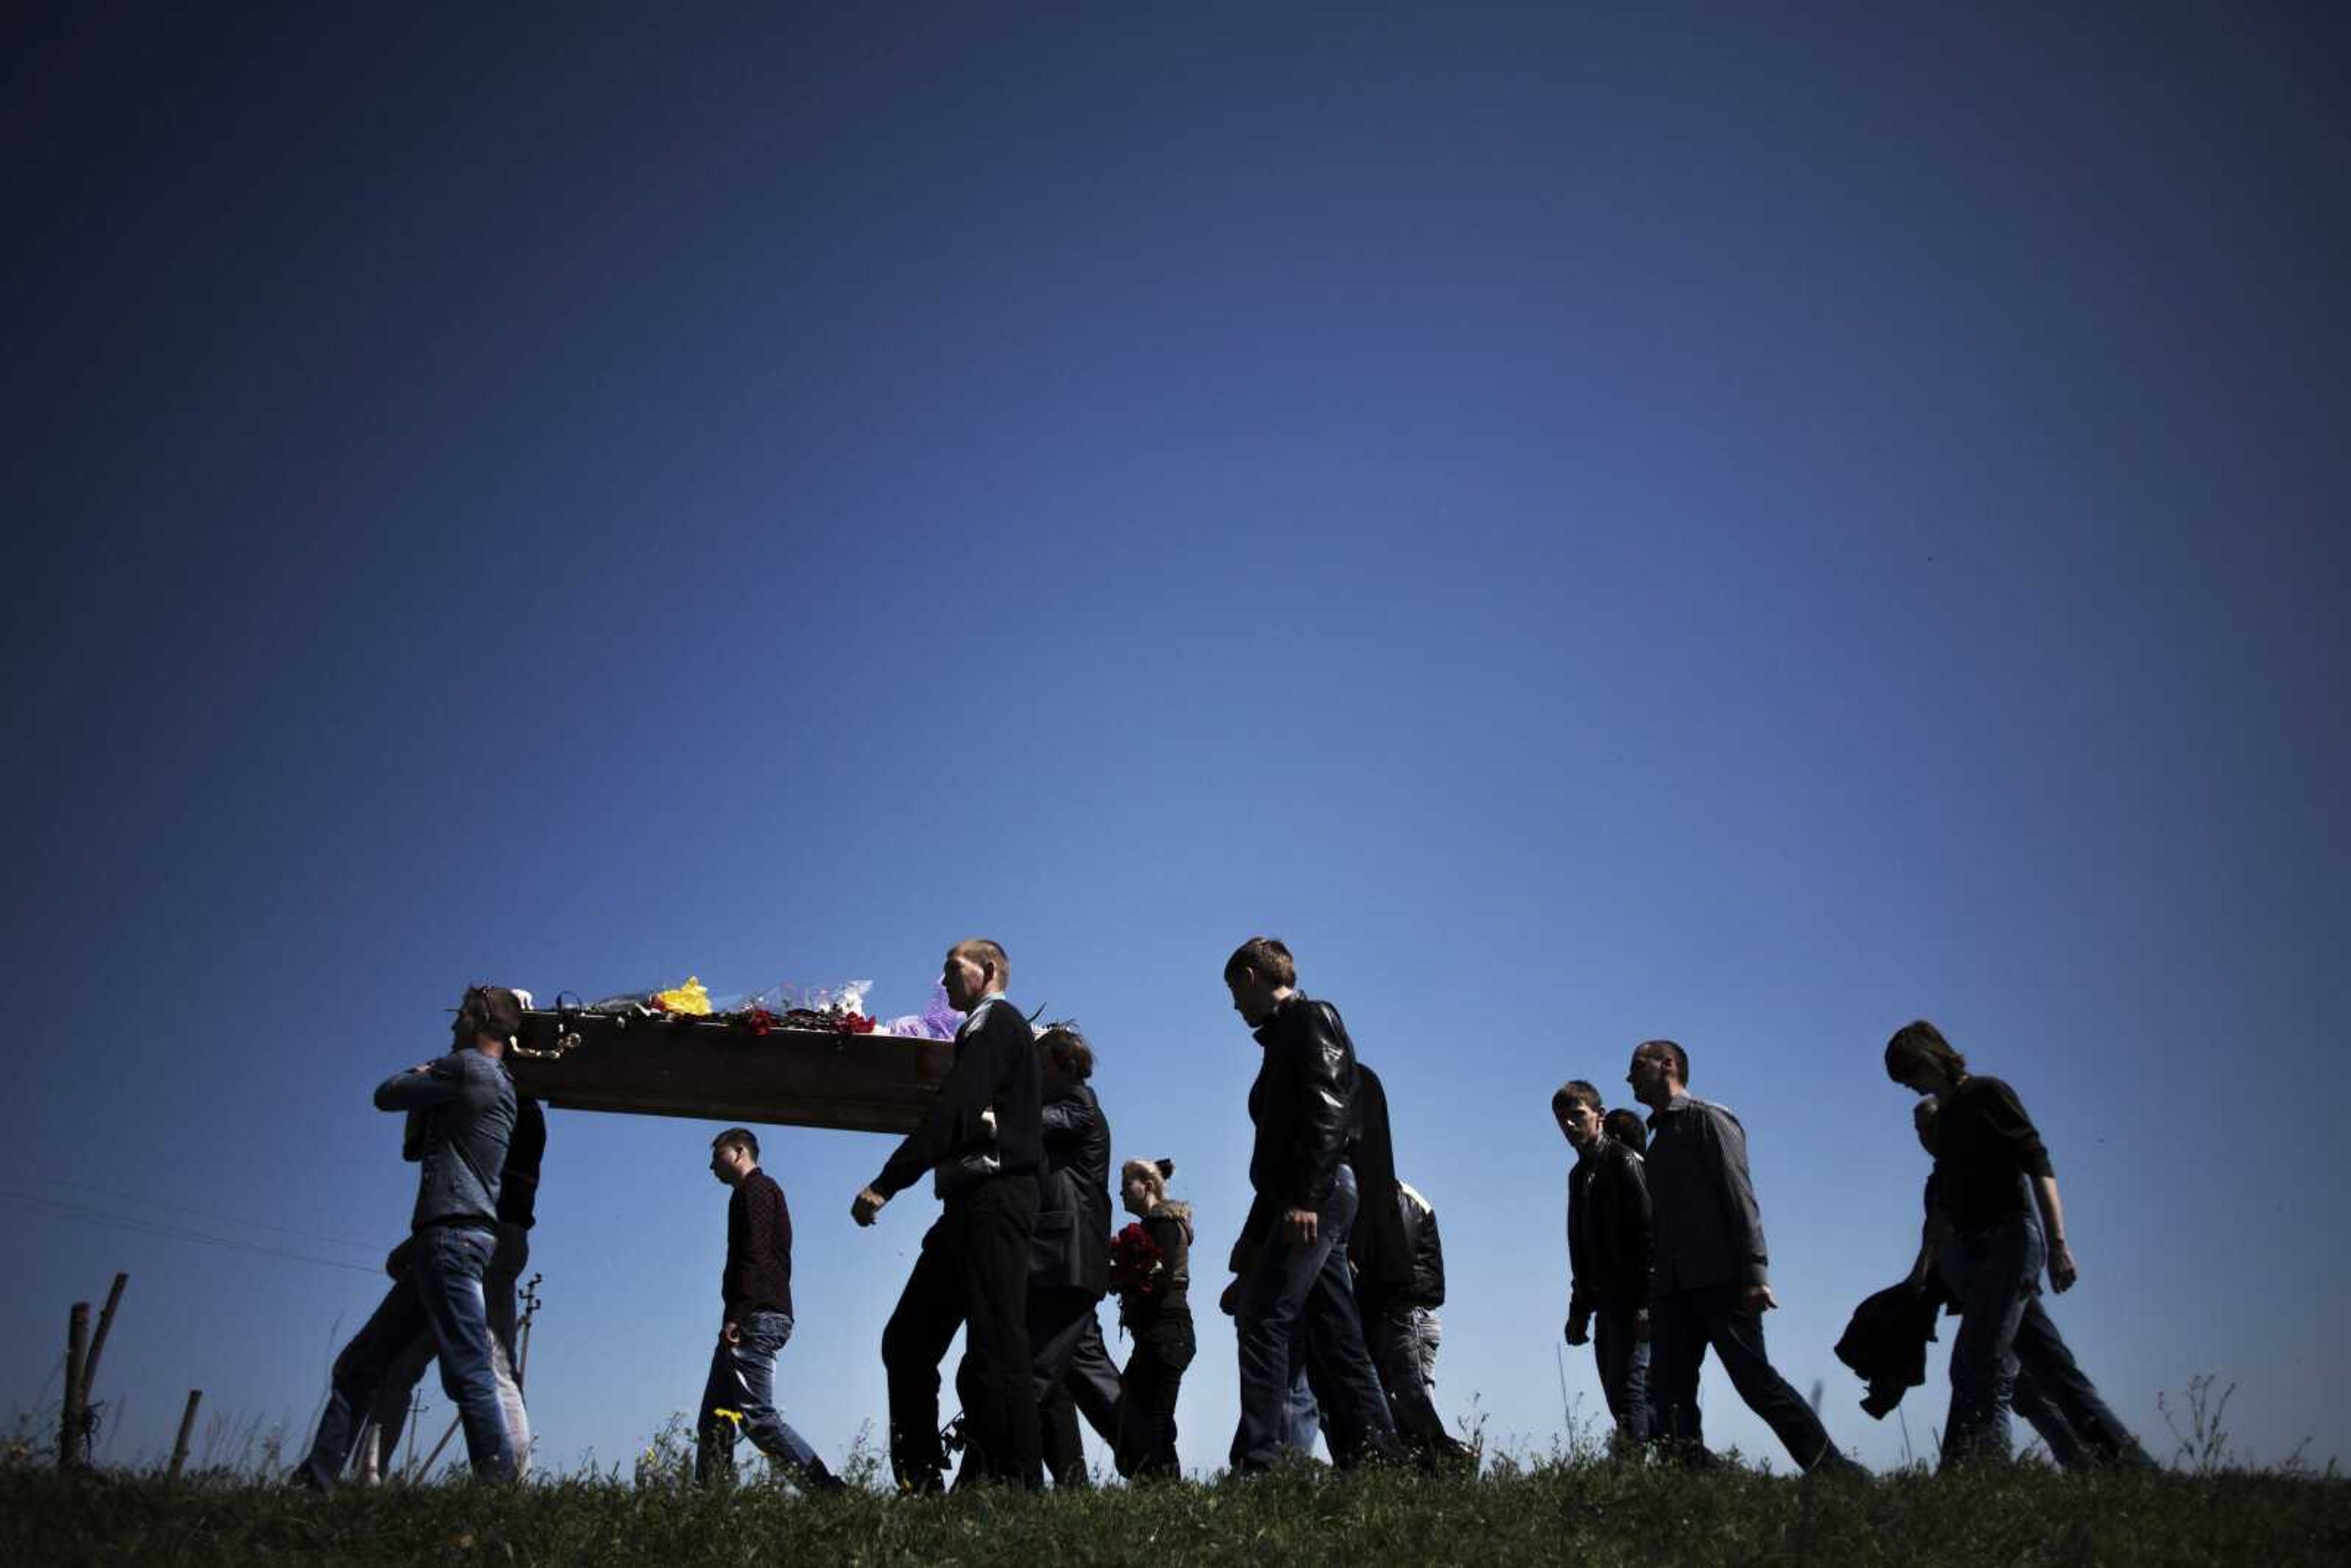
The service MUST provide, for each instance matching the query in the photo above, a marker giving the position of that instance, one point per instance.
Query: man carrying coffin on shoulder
(982, 1143)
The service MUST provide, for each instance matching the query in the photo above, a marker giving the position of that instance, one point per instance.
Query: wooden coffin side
(716, 1071)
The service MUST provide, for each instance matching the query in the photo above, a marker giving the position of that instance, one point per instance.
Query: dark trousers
(1394, 1335)
(1089, 1389)
(1154, 1376)
(2050, 1391)
(2050, 1379)
(1682, 1326)
(2002, 1274)
(1059, 1322)
(1286, 1292)
(973, 1274)
(1624, 1362)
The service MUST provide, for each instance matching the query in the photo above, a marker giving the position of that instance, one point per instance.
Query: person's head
(1660, 1071)
(1064, 1055)
(1260, 974)
(1922, 1119)
(488, 1017)
(733, 1154)
(1918, 1058)
(1628, 1128)
(1575, 1106)
(1143, 1185)
(976, 968)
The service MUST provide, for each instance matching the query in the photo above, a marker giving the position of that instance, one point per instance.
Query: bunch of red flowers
(1136, 1267)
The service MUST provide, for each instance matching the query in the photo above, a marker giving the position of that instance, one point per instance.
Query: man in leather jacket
(1292, 1257)
(1608, 1226)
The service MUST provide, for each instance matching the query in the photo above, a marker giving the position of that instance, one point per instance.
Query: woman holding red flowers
(1151, 1270)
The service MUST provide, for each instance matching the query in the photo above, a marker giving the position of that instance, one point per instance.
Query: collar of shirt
(978, 1007)
(1679, 1103)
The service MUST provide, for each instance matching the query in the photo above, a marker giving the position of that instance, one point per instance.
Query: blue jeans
(2002, 1276)
(1682, 1327)
(441, 1296)
(2052, 1392)
(743, 1379)
(1623, 1362)
(1288, 1290)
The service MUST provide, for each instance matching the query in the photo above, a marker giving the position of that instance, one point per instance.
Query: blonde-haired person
(1153, 1306)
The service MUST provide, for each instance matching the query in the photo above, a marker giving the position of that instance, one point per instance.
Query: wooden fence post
(69, 1425)
(98, 1340)
(187, 1427)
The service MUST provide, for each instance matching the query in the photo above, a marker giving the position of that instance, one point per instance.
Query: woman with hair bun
(1151, 1270)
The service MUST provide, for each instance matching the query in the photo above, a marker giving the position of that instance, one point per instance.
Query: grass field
(1573, 1510)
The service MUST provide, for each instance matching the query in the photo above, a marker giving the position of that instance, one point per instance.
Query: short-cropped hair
(982, 950)
(737, 1138)
(1920, 1041)
(1264, 958)
(1673, 1053)
(1067, 1049)
(493, 1010)
(1574, 1092)
(1628, 1128)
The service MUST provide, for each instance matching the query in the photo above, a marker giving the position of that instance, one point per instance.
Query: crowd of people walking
(1337, 1272)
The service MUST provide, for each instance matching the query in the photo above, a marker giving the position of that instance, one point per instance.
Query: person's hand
(1641, 1326)
(866, 1204)
(1757, 1300)
(1229, 1301)
(2062, 1270)
(1300, 1227)
(731, 1331)
(1579, 1328)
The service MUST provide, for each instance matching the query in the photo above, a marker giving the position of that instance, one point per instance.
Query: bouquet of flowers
(1136, 1265)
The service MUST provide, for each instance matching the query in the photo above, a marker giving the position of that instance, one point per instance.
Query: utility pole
(75, 1415)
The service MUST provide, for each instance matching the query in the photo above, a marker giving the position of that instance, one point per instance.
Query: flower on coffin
(689, 998)
(756, 1019)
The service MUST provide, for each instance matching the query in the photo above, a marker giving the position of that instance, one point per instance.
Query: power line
(149, 1202)
(60, 1211)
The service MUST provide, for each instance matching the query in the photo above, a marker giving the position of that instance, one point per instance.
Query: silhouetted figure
(1153, 1275)
(1709, 1273)
(1608, 1228)
(1994, 1219)
(1069, 1269)
(1291, 1255)
(981, 1141)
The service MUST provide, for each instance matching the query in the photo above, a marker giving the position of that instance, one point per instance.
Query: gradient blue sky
(1590, 523)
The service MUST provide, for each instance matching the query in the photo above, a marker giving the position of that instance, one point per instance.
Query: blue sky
(1590, 525)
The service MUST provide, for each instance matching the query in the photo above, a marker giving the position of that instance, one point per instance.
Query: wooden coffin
(718, 1071)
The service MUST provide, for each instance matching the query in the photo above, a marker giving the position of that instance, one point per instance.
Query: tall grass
(1564, 1508)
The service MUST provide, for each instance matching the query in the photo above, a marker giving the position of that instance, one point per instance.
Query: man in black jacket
(1399, 1279)
(1292, 1255)
(1608, 1257)
(1069, 1270)
(983, 1143)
